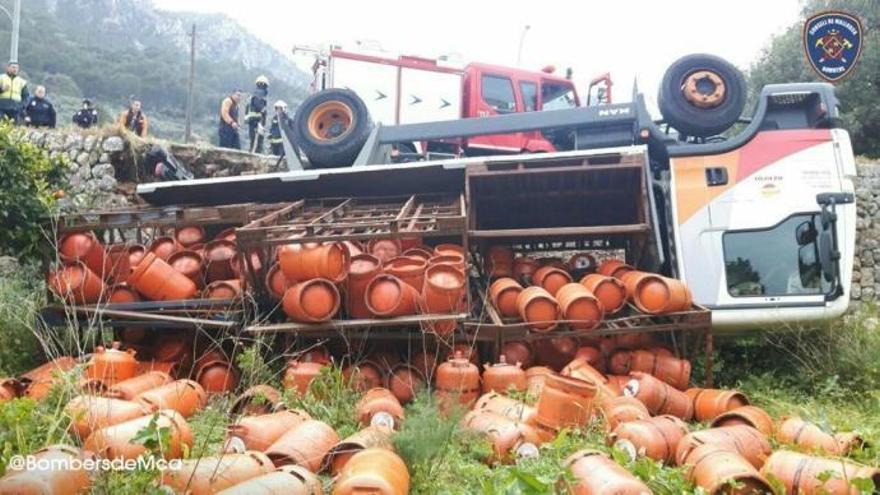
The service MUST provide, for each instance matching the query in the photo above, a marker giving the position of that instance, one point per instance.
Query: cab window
(498, 93)
(529, 91)
(782, 260)
(557, 96)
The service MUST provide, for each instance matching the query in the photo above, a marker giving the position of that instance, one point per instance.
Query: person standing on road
(86, 116)
(134, 119)
(229, 121)
(13, 93)
(255, 114)
(275, 130)
(39, 112)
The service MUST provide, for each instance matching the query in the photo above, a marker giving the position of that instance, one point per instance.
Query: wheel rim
(330, 120)
(704, 89)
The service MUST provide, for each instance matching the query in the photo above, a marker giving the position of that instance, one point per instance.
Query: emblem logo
(833, 43)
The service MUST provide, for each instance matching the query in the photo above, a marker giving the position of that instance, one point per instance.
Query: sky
(628, 38)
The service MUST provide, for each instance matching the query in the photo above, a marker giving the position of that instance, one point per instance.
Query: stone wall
(866, 274)
(103, 172)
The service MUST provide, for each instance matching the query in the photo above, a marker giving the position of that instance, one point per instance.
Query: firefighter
(86, 116)
(134, 119)
(255, 114)
(13, 93)
(39, 112)
(229, 121)
(275, 140)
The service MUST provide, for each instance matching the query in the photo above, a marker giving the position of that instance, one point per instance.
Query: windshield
(557, 96)
(780, 261)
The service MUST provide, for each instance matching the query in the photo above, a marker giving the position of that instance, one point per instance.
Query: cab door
(496, 95)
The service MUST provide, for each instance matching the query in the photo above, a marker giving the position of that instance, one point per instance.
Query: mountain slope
(111, 50)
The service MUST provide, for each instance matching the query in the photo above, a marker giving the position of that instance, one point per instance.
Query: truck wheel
(331, 127)
(702, 95)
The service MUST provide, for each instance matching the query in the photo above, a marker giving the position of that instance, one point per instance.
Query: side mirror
(809, 267)
(826, 255)
(805, 233)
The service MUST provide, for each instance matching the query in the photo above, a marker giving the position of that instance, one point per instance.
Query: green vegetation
(28, 180)
(784, 61)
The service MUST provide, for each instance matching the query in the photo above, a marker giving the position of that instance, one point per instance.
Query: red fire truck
(409, 90)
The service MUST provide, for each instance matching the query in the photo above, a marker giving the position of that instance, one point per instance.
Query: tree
(784, 61)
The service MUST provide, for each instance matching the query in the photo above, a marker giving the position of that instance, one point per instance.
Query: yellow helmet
(262, 80)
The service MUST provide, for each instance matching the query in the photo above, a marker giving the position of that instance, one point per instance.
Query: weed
(329, 399)
(209, 427)
(21, 296)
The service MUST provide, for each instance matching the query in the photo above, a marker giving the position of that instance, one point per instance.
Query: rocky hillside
(111, 50)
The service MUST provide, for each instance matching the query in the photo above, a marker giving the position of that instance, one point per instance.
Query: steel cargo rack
(140, 226)
(438, 217)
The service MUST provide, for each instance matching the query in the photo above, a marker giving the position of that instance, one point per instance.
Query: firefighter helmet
(281, 104)
(262, 80)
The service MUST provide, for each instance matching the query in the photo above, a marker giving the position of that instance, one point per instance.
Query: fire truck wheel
(702, 95)
(331, 127)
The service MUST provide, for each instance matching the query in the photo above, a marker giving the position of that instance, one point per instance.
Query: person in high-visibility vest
(13, 93)
(275, 139)
(255, 114)
(229, 121)
(134, 119)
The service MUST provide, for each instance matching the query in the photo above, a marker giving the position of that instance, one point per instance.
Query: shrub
(28, 179)
(21, 296)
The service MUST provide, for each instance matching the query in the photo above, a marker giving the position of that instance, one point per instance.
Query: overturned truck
(759, 224)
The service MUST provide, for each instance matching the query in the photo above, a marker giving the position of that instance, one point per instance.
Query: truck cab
(494, 90)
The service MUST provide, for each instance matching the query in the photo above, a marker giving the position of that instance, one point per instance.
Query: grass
(828, 375)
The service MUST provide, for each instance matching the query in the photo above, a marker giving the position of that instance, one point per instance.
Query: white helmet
(281, 104)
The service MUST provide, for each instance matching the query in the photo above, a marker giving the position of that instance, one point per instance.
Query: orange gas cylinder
(259, 399)
(129, 389)
(517, 351)
(613, 268)
(505, 406)
(305, 262)
(655, 437)
(405, 382)
(620, 410)
(747, 415)
(596, 474)
(63, 476)
(219, 256)
(710, 403)
(158, 281)
(189, 263)
(676, 372)
(217, 377)
(306, 444)
(364, 376)
(379, 406)
(373, 470)
(312, 301)
(85, 248)
(609, 290)
(385, 249)
(112, 365)
(659, 397)
(457, 381)
(363, 268)
(189, 235)
(716, 470)
(503, 293)
(503, 376)
(523, 269)
(550, 279)
(76, 283)
(299, 375)
(579, 306)
(288, 480)
(808, 436)
(163, 247)
(118, 441)
(184, 396)
(276, 282)
(443, 293)
(387, 296)
(509, 439)
(539, 308)
(409, 270)
(378, 436)
(659, 295)
(565, 402)
(260, 432)
(90, 413)
(536, 376)
(210, 474)
(807, 475)
(744, 440)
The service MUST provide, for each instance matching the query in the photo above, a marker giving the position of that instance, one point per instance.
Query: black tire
(691, 119)
(337, 151)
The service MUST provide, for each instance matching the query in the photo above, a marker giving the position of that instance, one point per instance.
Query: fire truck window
(529, 95)
(498, 93)
(557, 96)
(778, 261)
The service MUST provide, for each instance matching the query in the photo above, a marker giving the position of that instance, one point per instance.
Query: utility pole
(522, 39)
(15, 17)
(192, 77)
